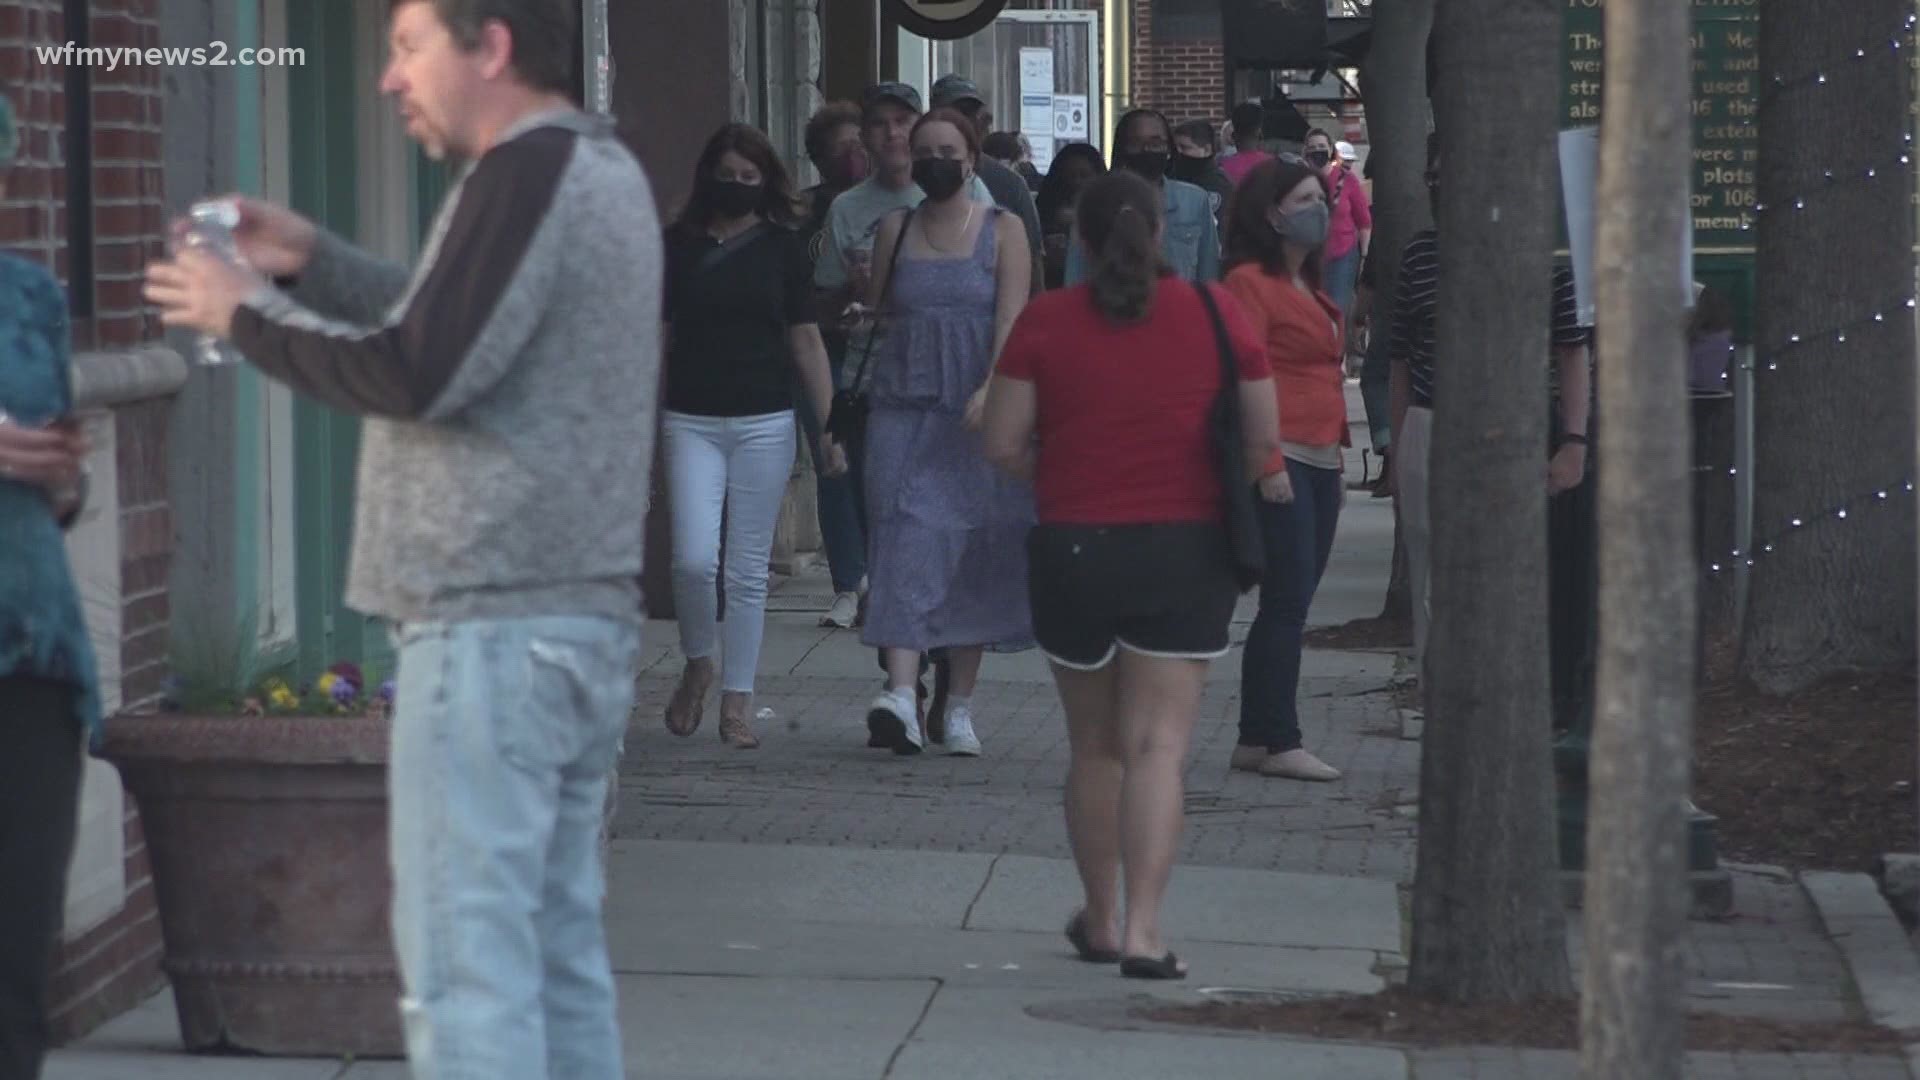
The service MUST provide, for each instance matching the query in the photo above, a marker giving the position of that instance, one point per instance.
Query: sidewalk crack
(966, 921)
(894, 1058)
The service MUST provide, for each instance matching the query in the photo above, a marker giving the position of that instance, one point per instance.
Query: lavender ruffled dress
(947, 558)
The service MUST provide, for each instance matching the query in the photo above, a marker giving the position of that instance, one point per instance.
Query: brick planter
(268, 840)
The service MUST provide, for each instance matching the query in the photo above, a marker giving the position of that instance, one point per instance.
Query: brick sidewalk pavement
(814, 782)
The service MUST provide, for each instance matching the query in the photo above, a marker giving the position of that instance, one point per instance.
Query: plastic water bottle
(210, 225)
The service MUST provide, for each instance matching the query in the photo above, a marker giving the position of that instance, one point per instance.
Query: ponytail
(1119, 215)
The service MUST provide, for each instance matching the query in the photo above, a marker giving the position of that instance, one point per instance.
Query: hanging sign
(944, 20)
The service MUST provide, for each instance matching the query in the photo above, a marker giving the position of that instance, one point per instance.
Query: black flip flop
(1137, 967)
(1077, 937)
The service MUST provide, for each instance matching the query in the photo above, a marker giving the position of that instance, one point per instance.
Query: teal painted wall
(249, 468)
(321, 97)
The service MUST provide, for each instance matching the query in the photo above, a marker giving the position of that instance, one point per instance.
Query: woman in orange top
(1276, 228)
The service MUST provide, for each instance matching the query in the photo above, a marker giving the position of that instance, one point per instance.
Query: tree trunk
(1633, 1012)
(1834, 413)
(1394, 83)
(1488, 925)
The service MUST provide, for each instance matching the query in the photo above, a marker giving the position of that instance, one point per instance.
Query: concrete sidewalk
(741, 962)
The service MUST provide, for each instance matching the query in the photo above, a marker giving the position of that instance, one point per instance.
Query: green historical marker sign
(1726, 94)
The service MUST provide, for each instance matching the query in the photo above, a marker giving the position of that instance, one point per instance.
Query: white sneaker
(894, 721)
(961, 741)
(844, 613)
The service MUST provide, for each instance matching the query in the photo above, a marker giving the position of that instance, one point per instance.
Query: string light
(1843, 512)
(1780, 84)
(1839, 335)
(1776, 87)
(1857, 175)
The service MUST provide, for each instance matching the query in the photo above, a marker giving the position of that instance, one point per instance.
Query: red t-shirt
(1122, 410)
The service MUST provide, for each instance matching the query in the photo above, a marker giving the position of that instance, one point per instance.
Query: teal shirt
(1191, 242)
(43, 633)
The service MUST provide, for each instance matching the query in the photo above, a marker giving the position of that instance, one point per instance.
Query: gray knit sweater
(508, 383)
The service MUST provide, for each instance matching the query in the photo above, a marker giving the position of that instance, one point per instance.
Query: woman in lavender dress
(947, 563)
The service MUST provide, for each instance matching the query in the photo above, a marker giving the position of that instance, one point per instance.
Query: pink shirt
(1351, 213)
(1238, 165)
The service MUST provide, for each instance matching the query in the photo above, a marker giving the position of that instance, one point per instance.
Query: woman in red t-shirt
(1275, 230)
(1102, 396)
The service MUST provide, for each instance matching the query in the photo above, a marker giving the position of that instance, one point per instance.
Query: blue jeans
(1299, 538)
(1340, 276)
(841, 503)
(505, 734)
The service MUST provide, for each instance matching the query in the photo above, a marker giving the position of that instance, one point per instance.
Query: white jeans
(739, 464)
(1411, 452)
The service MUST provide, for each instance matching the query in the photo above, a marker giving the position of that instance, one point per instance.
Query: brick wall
(115, 964)
(1183, 77)
(1141, 69)
(127, 159)
(1189, 81)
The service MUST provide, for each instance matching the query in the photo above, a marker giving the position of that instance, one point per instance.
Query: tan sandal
(689, 704)
(734, 730)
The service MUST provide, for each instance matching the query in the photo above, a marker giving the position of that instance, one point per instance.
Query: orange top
(1304, 340)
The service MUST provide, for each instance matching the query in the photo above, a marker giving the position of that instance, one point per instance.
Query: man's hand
(199, 291)
(976, 409)
(833, 457)
(856, 315)
(274, 240)
(1277, 487)
(49, 458)
(1567, 468)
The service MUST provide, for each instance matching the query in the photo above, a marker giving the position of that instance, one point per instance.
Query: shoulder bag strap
(718, 253)
(1229, 372)
(886, 291)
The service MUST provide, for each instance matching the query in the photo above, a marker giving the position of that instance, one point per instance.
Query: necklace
(927, 227)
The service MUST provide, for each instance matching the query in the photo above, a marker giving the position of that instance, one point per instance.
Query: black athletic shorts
(1157, 590)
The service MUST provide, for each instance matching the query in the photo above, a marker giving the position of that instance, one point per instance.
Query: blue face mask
(1306, 226)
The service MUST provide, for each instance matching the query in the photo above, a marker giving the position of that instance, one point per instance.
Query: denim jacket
(1191, 242)
(43, 633)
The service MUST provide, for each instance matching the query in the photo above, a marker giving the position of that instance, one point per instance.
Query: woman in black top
(740, 317)
(1074, 167)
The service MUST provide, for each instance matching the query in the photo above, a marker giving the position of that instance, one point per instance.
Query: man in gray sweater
(508, 389)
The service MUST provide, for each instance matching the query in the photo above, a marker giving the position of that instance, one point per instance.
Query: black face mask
(733, 199)
(1191, 169)
(940, 178)
(1319, 158)
(1151, 164)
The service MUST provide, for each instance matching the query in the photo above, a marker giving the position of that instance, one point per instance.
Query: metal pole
(599, 58)
(1743, 362)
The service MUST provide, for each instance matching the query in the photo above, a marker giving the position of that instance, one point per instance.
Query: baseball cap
(1346, 151)
(954, 89)
(891, 91)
